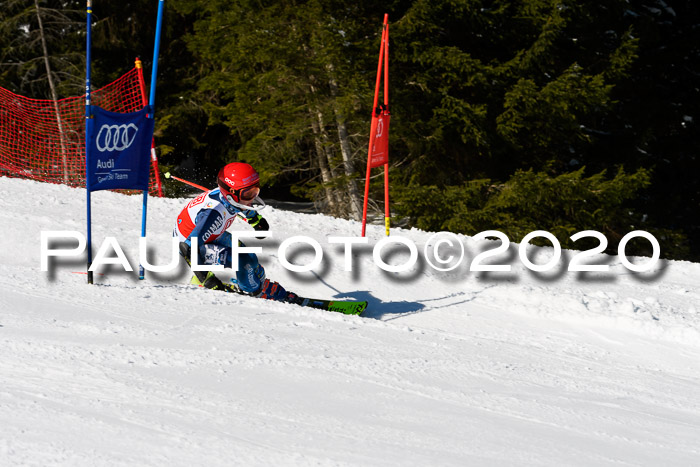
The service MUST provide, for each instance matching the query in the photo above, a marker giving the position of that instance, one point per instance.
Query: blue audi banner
(120, 149)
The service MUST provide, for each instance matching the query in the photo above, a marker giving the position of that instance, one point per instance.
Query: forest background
(553, 115)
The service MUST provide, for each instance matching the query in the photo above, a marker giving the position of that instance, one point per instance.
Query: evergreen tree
(655, 125)
(498, 86)
(125, 30)
(529, 200)
(538, 114)
(502, 87)
(285, 78)
(40, 55)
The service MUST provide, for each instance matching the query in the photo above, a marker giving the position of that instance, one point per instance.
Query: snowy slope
(447, 368)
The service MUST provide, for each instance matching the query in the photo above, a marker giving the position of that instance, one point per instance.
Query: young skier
(209, 215)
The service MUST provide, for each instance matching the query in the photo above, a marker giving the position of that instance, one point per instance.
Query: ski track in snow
(444, 369)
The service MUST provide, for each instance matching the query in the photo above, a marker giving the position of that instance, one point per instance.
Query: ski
(347, 307)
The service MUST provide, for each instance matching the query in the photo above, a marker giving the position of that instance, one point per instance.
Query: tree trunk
(326, 176)
(54, 95)
(346, 152)
(327, 149)
(325, 158)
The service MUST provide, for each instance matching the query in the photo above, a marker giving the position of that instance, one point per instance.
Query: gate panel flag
(120, 149)
(379, 154)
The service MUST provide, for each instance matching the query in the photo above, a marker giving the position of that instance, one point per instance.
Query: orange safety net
(39, 143)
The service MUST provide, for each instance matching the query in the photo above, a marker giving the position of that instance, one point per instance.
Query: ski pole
(167, 175)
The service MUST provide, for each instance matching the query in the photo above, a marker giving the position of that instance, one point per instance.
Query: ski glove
(259, 223)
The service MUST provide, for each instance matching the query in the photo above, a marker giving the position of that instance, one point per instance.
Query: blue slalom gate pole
(88, 128)
(151, 103)
(156, 48)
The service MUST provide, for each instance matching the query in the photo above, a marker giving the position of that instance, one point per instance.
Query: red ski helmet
(239, 181)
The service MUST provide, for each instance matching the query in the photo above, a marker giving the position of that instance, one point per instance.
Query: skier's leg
(251, 279)
(216, 253)
(250, 274)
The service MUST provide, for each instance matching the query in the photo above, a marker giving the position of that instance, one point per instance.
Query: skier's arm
(205, 224)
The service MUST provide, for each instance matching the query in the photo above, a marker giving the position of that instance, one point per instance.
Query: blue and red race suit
(207, 217)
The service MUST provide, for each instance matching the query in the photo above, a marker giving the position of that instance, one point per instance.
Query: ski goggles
(249, 193)
(244, 194)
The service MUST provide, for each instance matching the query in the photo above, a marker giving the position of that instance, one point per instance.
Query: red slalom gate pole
(387, 211)
(154, 159)
(373, 128)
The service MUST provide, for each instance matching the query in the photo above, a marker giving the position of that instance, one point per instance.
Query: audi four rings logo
(116, 137)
